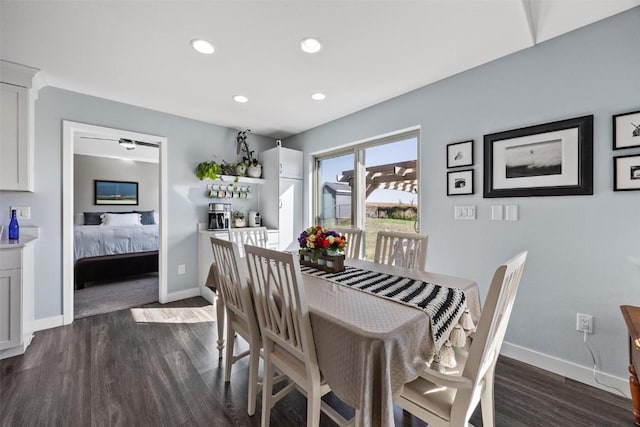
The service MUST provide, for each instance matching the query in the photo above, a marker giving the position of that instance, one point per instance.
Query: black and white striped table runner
(444, 305)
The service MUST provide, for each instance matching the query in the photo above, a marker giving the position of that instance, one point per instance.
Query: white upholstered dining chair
(231, 278)
(287, 338)
(255, 236)
(408, 250)
(449, 398)
(354, 239)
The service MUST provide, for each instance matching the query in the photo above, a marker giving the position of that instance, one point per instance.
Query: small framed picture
(460, 182)
(460, 154)
(626, 173)
(626, 130)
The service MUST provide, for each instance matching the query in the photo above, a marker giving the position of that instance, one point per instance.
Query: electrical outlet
(182, 269)
(584, 323)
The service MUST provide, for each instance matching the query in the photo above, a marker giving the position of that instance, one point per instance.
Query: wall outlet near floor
(584, 323)
(182, 269)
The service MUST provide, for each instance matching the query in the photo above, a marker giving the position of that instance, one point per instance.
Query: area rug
(114, 295)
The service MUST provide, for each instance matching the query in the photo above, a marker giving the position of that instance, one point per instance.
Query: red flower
(325, 243)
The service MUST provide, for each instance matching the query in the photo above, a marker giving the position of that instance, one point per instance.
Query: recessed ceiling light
(318, 96)
(240, 98)
(202, 46)
(310, 45)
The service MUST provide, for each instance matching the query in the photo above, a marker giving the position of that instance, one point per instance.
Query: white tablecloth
(368, 347)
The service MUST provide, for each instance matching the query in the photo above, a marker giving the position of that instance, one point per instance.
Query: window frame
(358, 149)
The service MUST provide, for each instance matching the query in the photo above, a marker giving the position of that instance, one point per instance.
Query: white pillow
(156, 217)
(78, 219)
(121, 219)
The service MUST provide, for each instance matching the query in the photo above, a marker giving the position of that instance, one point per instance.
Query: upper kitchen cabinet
(288, 162)
(18, 91)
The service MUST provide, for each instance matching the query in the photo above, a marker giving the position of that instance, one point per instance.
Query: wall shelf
(241, 179)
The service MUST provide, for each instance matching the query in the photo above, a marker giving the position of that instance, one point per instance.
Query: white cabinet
(281, 201)
(17, 95)
(10, 325)
(16, 296)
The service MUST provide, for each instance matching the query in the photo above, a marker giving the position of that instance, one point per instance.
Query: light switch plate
(182, 269)
(465, 212)
(497, 212)
(22, 212)
(511, 213)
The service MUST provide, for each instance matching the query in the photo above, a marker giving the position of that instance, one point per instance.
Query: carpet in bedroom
(113, 295)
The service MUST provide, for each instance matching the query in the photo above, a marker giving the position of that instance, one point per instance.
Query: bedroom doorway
(118, 178)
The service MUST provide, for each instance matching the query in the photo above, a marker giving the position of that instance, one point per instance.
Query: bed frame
(113, 266)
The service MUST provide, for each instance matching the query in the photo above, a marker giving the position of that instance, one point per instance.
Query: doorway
(72, 131)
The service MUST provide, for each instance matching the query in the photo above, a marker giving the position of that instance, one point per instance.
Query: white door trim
(69, 129)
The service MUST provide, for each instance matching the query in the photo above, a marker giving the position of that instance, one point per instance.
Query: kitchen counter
(28, 235)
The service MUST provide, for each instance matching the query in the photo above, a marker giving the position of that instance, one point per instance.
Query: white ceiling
(138, 52)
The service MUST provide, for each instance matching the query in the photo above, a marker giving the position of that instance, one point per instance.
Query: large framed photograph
(116, 193)
(626, 130)
(460, 154)
(460, 182)
(551, 159)
(626, 173)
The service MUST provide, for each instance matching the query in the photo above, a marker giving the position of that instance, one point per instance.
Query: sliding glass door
(373, 186)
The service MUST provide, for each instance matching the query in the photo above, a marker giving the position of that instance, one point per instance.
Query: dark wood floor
(159, 366)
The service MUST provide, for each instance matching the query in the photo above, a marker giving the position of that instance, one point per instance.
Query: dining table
(369, 346)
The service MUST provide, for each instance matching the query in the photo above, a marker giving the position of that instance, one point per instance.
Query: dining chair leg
(220, 324)
(229, 358)
(486, 401)
(313, 405)
(267, 390)
(254, 361)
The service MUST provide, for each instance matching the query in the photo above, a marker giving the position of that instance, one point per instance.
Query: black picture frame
(460, 154)
(550, 159)
(457, 177)
(626, 173)
(120, 193)
(626, 130)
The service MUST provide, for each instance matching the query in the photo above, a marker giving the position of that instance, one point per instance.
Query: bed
(103, 252)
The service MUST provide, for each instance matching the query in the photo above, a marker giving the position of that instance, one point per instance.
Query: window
(373, 186)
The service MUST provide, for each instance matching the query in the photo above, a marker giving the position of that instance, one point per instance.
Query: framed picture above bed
(116, 192)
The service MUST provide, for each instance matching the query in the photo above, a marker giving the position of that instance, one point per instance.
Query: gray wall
(86, 169)
(578, 245)
(189, 143)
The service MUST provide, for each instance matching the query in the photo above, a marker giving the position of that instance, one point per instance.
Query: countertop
(202, 228)
(28, 235)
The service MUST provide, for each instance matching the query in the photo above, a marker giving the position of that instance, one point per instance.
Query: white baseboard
(187, 293)
(207, 294)
(565, 368)
(48, 323)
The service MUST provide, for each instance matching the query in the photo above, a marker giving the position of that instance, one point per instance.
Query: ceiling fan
(129, 144)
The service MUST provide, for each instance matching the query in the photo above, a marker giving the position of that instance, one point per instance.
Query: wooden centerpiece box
(329, 263)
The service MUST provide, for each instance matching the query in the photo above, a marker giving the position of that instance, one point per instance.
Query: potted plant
(254, 169)
(239, 220)
(208, 170)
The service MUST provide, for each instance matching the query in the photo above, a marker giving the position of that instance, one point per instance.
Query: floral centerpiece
(322, 248)
(320, 240)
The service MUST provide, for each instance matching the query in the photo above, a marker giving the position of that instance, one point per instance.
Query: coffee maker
(219, 216)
